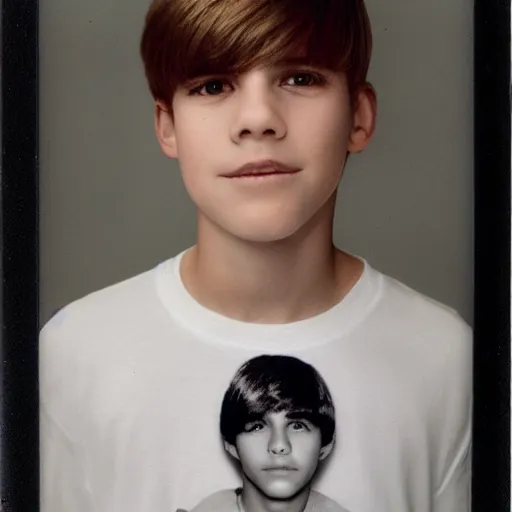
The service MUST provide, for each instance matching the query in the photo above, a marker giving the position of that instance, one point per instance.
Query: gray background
(113, 206)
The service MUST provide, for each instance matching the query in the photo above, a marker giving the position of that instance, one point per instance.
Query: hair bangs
(183, 41)
(265, 399)
(273, 384)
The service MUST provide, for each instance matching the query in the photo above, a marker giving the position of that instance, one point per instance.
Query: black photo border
(19, 184)
(492, 138)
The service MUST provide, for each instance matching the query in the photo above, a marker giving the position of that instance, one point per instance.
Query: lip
(280, 468)
(261, 168)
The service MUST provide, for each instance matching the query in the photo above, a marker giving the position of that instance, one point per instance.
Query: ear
(165, 131)
(326, 450)
(364, 116)
(231, 450)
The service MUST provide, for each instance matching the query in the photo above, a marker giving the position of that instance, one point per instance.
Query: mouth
(262, 169)
(279, 469)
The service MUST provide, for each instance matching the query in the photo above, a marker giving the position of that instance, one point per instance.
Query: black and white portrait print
(277, 421)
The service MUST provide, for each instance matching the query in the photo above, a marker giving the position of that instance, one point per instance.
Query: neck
(278, 282)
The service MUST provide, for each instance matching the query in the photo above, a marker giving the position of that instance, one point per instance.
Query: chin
(263, 231)
(282, 491)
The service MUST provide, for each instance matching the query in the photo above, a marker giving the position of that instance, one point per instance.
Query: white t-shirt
(132, 379)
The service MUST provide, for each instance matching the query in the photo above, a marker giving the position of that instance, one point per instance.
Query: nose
(279, 444)
(257, 115)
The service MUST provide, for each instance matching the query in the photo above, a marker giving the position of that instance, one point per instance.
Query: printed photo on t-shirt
(277, 421)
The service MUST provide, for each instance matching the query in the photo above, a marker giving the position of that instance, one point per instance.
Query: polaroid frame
(19, 179)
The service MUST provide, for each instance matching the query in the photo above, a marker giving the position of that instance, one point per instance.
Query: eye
(304, 79)
(212, 87)
(253, 426)
(299, 426)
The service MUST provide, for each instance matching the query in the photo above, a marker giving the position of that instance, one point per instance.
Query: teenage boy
(260, 101)
(277, 419)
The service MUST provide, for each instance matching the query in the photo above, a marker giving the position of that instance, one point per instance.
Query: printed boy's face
(279, 454)
(296, 115)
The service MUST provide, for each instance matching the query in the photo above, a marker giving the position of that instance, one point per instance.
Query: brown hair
(187, 39)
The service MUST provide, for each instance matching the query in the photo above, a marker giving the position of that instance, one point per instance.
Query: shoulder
(89, 334)
(398, 298)
(101, 304)
(320, 503)
(427, 336)
(434, 347)
(224, 501)
(421, 323)
(431, 345)
(105, 312)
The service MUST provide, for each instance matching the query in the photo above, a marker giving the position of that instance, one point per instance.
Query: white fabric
(132, 378)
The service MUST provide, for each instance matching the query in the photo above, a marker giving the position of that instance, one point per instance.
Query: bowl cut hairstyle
(183, 40)
(272, 384)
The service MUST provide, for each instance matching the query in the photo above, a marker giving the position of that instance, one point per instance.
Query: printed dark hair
(276, 383)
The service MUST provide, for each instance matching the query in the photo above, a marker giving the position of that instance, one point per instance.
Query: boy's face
(296, 115)
(279, 454)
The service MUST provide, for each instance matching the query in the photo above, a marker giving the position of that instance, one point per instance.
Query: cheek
(326, 133)
(193, 151)
(251, 449)
(307, 448)
(190, 140)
